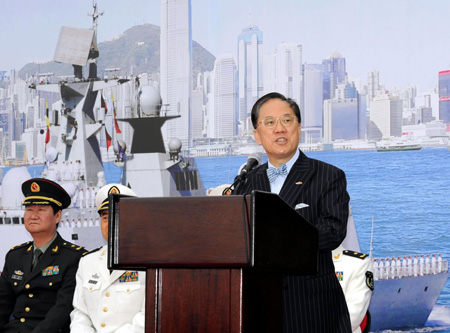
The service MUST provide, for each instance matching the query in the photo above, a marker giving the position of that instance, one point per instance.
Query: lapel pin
(298, 183)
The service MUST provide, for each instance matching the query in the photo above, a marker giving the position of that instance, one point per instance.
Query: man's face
(41, 220)
(280, 142)
(104, 215)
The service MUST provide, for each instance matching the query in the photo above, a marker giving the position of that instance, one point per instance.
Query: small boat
(398, 144)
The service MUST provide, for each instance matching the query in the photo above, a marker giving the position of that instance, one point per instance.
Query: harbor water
(407, 193)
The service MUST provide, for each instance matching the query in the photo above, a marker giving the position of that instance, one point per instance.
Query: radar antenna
(93, 53)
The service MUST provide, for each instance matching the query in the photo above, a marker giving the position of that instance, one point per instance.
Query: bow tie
(273, 173)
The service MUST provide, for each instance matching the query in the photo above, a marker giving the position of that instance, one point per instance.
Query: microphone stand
(238, 181)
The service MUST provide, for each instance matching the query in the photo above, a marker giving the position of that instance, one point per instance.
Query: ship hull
(405, 302)
(382, 149)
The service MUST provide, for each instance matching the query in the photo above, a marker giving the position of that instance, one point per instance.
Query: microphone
(253, 161)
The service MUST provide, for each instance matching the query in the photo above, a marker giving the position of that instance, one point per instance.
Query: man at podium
(312, 303)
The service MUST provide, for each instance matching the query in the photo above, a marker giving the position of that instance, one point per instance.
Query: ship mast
(93, 52)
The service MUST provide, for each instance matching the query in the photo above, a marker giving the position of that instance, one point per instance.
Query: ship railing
(414, 270)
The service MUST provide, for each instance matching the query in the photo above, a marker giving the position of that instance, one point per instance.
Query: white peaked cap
(218, 190)
(101, 198)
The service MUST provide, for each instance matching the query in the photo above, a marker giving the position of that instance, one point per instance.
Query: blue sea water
(407, 193)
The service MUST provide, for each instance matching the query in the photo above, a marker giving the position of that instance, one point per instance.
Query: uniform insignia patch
(129, 277)
(92, 282)
(369, 280)
(355, 254)
(95, 276)
(114, 190)
(34, 187)
(50, 270)
(18, 275)
(340, 275)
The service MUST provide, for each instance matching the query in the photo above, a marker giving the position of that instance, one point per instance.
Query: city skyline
(402, 39)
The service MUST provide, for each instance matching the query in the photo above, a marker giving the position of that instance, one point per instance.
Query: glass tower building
(250, 79)
(176, 68)
(444, 96)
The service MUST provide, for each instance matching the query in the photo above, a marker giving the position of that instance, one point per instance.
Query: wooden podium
(214, 264)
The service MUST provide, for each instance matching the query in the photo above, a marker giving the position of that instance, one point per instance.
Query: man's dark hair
(274, 95)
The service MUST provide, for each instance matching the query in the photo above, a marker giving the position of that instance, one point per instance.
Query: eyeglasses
(286, 119)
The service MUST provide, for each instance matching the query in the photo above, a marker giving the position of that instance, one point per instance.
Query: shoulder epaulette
(73, 247)
(21, 245)
(355, 254)
(92, 251)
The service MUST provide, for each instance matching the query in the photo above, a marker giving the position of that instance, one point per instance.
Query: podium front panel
(179, 232)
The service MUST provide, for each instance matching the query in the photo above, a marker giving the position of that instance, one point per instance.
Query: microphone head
(240, 168)
(253, 161)
(255, 157)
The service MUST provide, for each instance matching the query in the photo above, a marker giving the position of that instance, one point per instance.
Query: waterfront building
(341, 120)
(198, 109)
(429, 99)
(345, 114)
(385, 116)
(425, 114)
(176, 68)
(444, 96)
(220, 149)
(432, 129)
(249, 66)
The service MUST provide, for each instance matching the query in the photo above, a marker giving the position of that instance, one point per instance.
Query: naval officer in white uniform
(107, 301)
(354, 272)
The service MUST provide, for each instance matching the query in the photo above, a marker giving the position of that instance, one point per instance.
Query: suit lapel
(262, 181)
(298, 177)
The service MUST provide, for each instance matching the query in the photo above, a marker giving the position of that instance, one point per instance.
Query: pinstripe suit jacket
(313, 303)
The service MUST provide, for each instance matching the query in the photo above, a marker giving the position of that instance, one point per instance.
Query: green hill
(135, 51)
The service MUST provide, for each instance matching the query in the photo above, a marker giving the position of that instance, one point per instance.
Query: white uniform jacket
(104, 301)
(354, 272)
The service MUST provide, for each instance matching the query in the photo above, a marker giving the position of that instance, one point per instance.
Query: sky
(405, 40)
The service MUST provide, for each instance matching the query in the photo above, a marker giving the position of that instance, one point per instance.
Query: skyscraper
(283, 71)
(223, 116)
(176, 68)
(373, 83)
(250, 70)
(334, 72)
(386, 116)
(312, 115)
(444, 96)
(345, 114)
